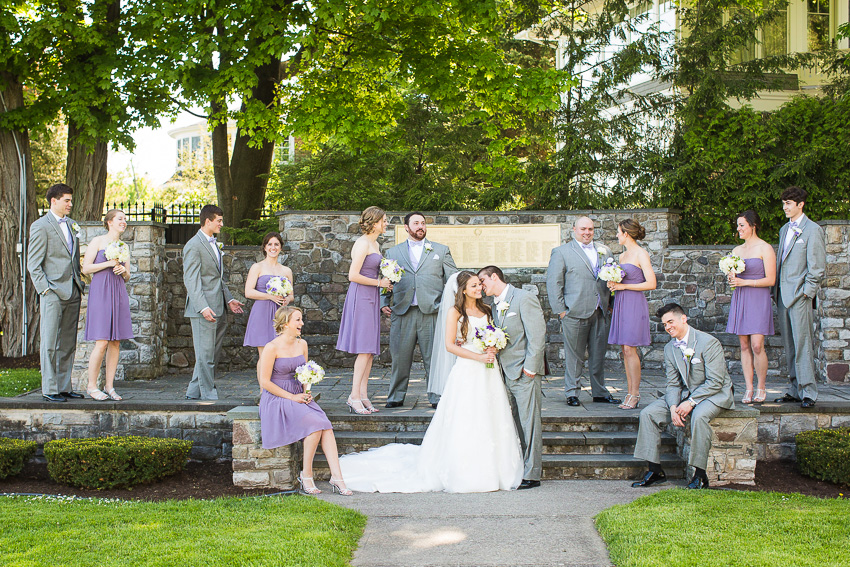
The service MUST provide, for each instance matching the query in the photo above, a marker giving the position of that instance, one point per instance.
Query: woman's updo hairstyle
(110, 214)
(633, 229)
(282, 317)
(369, 218)
(752, 219)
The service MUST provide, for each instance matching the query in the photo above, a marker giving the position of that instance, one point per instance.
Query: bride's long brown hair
(460, 300)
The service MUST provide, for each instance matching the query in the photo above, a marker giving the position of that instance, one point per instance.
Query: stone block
(182, 420)
(284, 479)
(792, 424)
(147, 421)
(212, 420)
(247, 479)
(246, 432)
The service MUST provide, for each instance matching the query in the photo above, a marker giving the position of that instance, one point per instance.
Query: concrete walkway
(549, 525)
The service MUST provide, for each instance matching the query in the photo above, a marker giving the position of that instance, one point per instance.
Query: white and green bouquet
(488, 336)
(611, 272)
(391, 270)
(731, 264)
(279, 287)
(117, 250)
(309, 373)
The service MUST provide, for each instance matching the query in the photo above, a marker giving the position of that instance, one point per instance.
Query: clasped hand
(489, 355)
(386, 284)
(735, 281)
(304, 398)
(615, 286)
(118, 268)
(679, 413)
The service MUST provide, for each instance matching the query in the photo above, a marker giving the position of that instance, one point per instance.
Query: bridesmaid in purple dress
(288, 413)
(751, 312)
(630, 321)
(360, 324)
(108, 311)
(260, 328)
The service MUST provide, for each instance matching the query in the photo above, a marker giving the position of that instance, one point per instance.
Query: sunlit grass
(15, 381)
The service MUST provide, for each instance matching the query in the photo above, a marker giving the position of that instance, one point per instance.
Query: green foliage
(14, 454)
(825, 454)
(16, 381)
(48, 150)
(695, 528)
(252, 231)
(114, 462)
(248, 532)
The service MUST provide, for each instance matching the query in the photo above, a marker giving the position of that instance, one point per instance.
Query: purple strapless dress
(260, 328)
(630, 321)
(108, 311)
(282, 421)
(751, 312)
(360, 325)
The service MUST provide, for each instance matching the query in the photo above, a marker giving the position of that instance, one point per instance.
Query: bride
(471, 444)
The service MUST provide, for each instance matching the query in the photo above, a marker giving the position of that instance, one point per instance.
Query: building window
(817, 21)
(775, 35)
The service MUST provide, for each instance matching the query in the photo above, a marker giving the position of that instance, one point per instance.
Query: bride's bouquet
(488, 336)
(279, 287)
(611, 272)
(731, 264)
(391, 270)
(117, 250)
(309, 373)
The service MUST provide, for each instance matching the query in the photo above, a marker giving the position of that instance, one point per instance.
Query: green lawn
(727, 528)
(18, 380)
(291, 531)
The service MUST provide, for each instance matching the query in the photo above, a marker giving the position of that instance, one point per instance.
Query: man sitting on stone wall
(698, 384)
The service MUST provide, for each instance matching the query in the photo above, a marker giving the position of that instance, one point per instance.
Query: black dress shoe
(434, 406)
(572, 401)
(807, 403)
(528, 484)
(393, 405)
(188, 398)
(697, 483)
(72, 394)
(787, 399)
(609, 399)
(53, 397)
(649, 479)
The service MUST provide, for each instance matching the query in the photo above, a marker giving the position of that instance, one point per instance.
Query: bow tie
(680, 344)
(412, 243)
(212, 239)
(64, 219)
(794, 224)
(587, 246)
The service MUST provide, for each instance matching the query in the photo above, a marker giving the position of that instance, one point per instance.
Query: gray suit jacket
(704, 376)
(571, 283)
(427, 281)
(800, 268)
(523, 321)
(50, 264)
(204, 281)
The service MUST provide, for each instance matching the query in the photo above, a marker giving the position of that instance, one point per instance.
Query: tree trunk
(16, 292)
(242, 194)
(86, 174)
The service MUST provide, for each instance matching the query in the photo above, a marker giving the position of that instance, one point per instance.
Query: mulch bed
(29, 361)
(212, 480)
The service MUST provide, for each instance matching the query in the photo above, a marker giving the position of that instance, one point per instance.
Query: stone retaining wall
(211, 432)
(255, 467)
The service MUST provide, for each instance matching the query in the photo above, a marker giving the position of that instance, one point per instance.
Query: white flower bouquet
(731, 264)
(279, 287)
(611, 272)
(391, 270)
(117, 250)
(488, 336)
(309, 373)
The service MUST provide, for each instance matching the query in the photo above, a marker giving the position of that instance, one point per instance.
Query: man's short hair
(490, 270)
(409, 216)
(673, 308)
(796, 194)
(57, 191)
(209, 212)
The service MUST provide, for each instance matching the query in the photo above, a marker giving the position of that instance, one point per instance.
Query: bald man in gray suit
(53, 261)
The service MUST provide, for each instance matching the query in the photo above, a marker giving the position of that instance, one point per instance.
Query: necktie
(69, 240)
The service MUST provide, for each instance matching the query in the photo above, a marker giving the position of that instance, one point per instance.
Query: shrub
(825, 454)
(14, 454)
(114, 462)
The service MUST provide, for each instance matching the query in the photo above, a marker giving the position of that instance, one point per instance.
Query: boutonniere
(688, 353)
(797, 231)
(220, 246)
(502, 307)
(601, 251)
(428, 246)
(76, 228)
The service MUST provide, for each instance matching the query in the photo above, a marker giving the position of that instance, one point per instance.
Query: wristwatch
(692, 402)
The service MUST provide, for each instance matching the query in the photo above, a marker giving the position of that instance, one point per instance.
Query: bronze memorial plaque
(507, 246)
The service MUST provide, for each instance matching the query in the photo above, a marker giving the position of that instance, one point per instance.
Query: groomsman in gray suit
(519, 313)
(413, 303)
(53, 261)
(207, 297)
(800, 265)
(581, 300)
(698, 385)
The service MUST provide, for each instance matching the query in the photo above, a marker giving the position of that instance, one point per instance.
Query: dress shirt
(214, 245)
(501, 297)
(64, 226)
(592, 254)
(415, 249)
(789, 236)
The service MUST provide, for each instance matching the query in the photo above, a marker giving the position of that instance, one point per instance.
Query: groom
(206, 298)
(518, 312)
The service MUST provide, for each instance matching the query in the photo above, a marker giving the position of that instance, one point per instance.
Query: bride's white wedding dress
(471, 444)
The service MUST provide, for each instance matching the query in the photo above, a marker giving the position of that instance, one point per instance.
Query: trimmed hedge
(825, 454)
(114, 462)
(14, 454)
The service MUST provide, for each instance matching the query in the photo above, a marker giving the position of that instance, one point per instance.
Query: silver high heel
(307, 489)
(352, 407)
(368, 405)
(337, 488)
